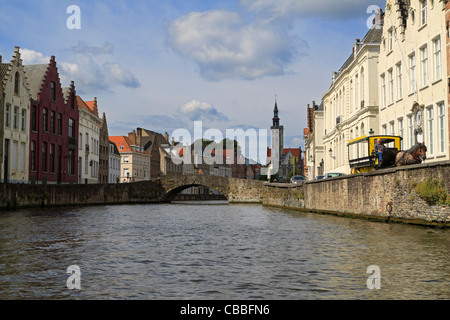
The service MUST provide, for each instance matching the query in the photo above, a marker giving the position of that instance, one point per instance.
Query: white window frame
(412, 72)
(437, 58)
(398, 67)
(430, 129)
(424, 72)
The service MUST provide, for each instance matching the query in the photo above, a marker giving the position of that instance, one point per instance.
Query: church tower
(277, 133)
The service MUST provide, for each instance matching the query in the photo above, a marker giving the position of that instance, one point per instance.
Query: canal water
(216, 251)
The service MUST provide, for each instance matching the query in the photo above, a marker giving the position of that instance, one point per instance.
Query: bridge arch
(173, 186)
(235, 190)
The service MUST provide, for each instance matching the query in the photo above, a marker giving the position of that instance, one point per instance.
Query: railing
(72, 141)
(338, 120)
(87, 148)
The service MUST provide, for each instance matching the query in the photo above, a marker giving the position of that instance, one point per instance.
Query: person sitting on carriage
(379, 149)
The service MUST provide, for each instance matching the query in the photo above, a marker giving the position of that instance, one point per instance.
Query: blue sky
(161, 64)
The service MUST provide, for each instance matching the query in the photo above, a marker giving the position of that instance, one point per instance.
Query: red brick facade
(53, 149)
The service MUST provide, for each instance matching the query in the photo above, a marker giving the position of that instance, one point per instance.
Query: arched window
(16, 83)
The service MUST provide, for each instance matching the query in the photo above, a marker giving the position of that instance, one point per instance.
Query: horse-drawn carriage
(363, 158)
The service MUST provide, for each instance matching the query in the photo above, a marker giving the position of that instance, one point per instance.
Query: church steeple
(276, 119)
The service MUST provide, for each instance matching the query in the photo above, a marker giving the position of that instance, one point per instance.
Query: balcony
(362, 104)
(87, 148)
(72, 142)
(338, 120)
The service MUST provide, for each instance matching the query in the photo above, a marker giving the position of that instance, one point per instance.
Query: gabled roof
(35, 76)
(124, 144)
(84, 105)
(296, 152)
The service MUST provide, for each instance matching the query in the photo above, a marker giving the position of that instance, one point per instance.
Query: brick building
(103, 174)
(54, 126)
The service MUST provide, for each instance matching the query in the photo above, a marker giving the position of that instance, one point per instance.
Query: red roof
(295, 151)
(87, 105)
(124, 144)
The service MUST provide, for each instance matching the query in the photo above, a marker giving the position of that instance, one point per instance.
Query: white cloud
(197, 110)
(89, 74)
(225, 46)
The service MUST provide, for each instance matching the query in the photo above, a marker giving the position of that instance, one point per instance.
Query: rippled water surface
(188, 251)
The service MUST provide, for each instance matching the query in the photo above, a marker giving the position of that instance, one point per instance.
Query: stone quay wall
(385, 195)
(16, 196)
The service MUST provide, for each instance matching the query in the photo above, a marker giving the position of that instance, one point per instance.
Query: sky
(164, 64)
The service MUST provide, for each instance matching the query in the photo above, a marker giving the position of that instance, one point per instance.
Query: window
(86, 164)
(33, 118)
(81, 142)
(71, 162)
(59, 124)
(391, 86)
(33, 156)
(44, 156)
(383, 90)
(16, 117)
(53, 91)
(7, 115)
(392, 128)
(437, 58)
(384, 129)
(44, 119)
(412, 73)
(430, 120)
(401, 132)
(16, 83)
(423, 13)
(71, 128)
(410, 131)
(363, 131)
(24, 120)
(399, 81)
(441, 126)
(424, 65)
(351, 96)
(125, 160)
(52, 122)
(52, 158)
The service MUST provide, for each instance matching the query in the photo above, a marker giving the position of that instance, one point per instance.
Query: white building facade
(350, 106)
(114, 163)
(89, 143)
(16, 145)
(412, 75)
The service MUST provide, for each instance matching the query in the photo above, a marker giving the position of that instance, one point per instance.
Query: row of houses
(51, 135)
(395, 82)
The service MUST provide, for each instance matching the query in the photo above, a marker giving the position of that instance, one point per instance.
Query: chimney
(173, 141)
(166, 136)
(95, 106)
(132, 136)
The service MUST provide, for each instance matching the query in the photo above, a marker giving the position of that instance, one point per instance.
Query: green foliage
(433, 192)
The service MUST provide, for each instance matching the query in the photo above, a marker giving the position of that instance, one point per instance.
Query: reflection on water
(210, 251)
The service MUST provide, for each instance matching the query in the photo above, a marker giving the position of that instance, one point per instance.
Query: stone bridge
(235, 190)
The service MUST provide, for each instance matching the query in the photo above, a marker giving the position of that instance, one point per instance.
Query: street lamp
(371, 132)
(331, 153)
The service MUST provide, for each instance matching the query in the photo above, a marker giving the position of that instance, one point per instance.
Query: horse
(415, 155)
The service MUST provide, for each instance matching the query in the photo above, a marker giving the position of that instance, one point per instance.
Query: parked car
(297, 179)
(319, 177)
(334, 175)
